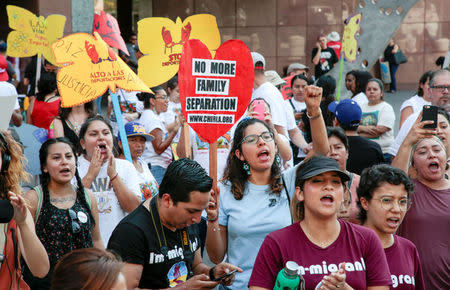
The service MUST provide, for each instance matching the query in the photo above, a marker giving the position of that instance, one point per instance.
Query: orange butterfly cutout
(32, 35)
(90, 67)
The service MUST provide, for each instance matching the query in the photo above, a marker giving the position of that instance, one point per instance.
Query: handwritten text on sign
(207, 84)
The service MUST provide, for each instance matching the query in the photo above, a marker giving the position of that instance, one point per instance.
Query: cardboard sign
(215, 93)
(349, 42)
(108, 28)
(91, 67)
(161, 41)
(286, 90)
(32, 35)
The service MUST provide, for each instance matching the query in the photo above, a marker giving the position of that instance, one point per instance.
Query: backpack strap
(292, 105)
(40, 195)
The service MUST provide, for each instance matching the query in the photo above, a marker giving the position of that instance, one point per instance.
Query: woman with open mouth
(384, 198)
(113, 181)
(331, 253)
(427, 222)
(65, 215)
(254, 197)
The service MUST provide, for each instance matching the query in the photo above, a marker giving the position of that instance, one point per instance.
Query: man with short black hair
(362, 152)
(159, 240)
(323, 57)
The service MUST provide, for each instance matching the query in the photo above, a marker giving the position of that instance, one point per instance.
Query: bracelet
(213, 220)
(115, 176)
(314, 117)
(211, 273)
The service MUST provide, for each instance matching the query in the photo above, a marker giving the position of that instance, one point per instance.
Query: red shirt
(43, 113)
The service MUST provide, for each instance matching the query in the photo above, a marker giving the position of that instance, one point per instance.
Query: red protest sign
(286, 90)
(215, 93)
(108, 28)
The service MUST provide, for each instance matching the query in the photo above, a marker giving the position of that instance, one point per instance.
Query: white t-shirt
(152, 121)
(361, 99)
(147, 183)
(402, 133)
(8, 90)
(168, 117)
(416, 102)
(381, 114)
(273, 97)
(110, 213)
(200, 150)
(299, 106)
(248, 222)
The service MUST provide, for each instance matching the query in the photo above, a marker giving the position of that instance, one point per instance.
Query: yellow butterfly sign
(349, 42)
(161, 41)
(90, 67)
(32, 34)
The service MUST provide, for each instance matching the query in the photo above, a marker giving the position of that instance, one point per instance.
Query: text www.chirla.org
(211, 119)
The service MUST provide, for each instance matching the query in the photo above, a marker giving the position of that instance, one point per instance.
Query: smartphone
(226, 275)
(430, 114)
(260, 109)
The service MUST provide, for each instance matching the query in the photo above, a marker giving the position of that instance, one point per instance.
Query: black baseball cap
(317, 165)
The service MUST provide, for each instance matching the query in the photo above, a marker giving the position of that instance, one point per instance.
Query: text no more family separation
(207, 84)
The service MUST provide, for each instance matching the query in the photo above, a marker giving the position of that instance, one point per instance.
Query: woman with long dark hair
(254, 199)
(113, 181)
(65, 215)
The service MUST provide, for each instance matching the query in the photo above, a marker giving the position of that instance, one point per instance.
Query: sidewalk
(395, 100)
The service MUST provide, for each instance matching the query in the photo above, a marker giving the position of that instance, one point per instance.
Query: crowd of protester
(322, 182)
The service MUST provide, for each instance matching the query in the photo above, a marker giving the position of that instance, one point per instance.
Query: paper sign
(286, 90)
(215, 93)
(91, 67)
(7, 104)
(32, 35)
(349, 42)
(108, 28)
(161, 41)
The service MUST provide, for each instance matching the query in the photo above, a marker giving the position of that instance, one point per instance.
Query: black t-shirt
(327, 60)
(362, 153)
(136, 240)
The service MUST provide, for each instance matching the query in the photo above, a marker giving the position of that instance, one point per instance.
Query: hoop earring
(246, 168)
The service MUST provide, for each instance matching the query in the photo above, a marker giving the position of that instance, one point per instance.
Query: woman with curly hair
(254, 196)
(65, 215)
(17, 236)
(88, 269)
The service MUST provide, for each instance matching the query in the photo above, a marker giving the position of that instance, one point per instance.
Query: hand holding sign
(32, 35)
(215, 93)
(92, 67)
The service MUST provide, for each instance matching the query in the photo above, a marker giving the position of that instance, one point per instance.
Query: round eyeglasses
(388, 203)
(253, 138)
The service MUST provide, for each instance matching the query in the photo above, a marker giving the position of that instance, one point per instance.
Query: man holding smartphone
(439, 93)
(159, 241)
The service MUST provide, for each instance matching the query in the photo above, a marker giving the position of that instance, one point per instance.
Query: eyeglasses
(76, 228)
(442, 88)
(253, 139)
(387, 203)
(163, 98)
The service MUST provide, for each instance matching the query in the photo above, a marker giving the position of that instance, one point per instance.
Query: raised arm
(417, 132)
(319, 136)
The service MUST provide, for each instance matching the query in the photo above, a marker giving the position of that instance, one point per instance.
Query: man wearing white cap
(9, 90)
(334, 43)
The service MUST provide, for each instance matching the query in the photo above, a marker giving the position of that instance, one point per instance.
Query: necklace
(322, 244)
